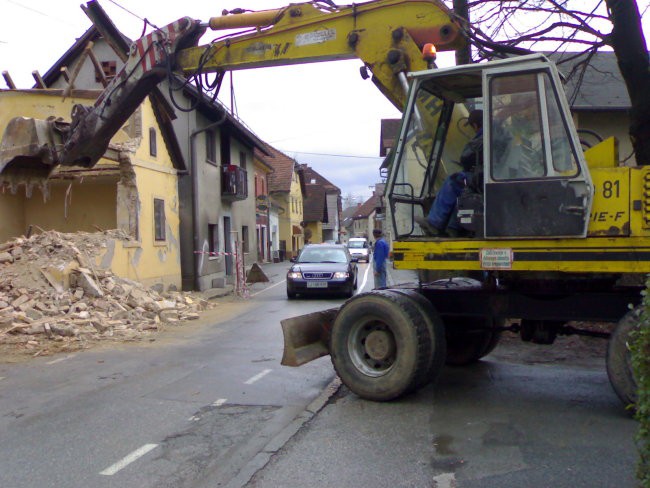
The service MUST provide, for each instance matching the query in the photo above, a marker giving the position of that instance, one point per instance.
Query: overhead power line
(333, 155)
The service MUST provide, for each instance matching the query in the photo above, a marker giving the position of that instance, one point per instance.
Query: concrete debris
(51, 293)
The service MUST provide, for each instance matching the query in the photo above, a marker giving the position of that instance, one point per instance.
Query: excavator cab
(533, 180)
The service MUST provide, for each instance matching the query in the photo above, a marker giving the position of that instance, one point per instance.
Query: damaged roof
(163, 110)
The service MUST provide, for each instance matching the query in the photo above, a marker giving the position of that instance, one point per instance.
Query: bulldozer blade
(28, 150)
(307, 337)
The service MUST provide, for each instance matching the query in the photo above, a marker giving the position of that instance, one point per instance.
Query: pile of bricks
(50, 292)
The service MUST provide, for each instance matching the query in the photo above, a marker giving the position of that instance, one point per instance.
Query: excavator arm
(387, 35)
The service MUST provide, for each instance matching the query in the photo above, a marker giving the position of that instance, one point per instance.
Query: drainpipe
(195, 197)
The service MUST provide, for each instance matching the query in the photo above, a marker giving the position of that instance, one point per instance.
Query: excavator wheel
(436, 332)
(619, 360)
(466, 346)
(380, 345)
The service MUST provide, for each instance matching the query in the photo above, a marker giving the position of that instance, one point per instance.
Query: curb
(261, 459)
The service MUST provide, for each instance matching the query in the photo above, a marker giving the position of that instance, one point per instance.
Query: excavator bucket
(307, 337)
(28, 150)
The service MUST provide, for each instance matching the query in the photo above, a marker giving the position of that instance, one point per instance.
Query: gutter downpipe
(195, 197)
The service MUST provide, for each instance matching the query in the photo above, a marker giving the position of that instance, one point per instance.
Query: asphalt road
(195, 406)
(209, 405)
(492, 425)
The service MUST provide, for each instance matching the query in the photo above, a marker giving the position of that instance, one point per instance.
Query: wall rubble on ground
(52, 295)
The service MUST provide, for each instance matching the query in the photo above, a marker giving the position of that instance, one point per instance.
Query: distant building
(287, 191)
(322, 206)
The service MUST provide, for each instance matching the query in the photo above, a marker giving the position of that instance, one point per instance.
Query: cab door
(536, 180)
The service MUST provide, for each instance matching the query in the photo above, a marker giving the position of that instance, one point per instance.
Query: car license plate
(317, 284)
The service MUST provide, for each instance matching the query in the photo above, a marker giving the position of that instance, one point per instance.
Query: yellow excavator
(548, 234)
(545, 236)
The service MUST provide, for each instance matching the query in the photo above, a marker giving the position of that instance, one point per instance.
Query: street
(200, 401)
(208, 404)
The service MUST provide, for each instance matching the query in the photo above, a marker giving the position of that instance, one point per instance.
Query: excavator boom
(387, 35)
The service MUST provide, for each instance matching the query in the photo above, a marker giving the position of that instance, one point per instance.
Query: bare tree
(351, 200)
(503, 27)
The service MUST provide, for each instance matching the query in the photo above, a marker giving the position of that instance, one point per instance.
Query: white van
(359, 248)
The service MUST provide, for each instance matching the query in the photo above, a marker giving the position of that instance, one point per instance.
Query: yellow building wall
(316, 229)
(12, 216)
(296, 213)
(149, 261)
(284, 219)
(87, 206)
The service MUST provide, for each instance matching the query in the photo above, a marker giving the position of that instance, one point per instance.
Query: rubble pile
(53, 298)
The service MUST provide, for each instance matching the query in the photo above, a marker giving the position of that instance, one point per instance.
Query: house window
(242, 160)
(213, 238)
(153, 149)
(244, 239)
(159, 219)
(210, 147)
(109, 68)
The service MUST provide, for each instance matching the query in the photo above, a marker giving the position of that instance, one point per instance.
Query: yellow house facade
(133, 188)
(287, 190)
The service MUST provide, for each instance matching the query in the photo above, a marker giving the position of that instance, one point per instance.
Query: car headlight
(339, 275)
(294, 275)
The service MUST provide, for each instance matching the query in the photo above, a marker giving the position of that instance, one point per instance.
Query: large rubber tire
(465, 346)
(291, 295)
(619, 360)
(436, 333)
(380, 345)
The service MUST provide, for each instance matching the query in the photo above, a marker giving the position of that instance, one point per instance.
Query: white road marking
(124, 462)
(445, 480)
(257, 377)
(54, 361)
(216, 403)
(268, 288)
(365, 277)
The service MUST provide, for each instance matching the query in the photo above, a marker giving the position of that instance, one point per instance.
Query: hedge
(640, 349)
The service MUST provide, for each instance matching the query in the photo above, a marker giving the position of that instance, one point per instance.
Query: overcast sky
(322, 114)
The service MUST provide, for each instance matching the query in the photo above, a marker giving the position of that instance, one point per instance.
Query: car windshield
(323, 256)
(355, 244)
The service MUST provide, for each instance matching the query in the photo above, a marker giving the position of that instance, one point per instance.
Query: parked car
(359, 248)
(322, 269)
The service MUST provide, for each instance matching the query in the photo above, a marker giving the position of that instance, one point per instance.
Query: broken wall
(148, 177)
(117, 195)
(12, 216)
(74, 206)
